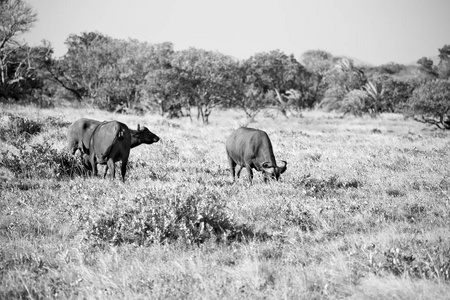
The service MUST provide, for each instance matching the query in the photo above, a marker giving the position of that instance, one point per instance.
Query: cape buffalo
(252, 148)
(110, 142)
(142, 136)
(80, 133)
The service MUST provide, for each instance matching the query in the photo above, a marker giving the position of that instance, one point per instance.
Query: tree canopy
(17, 61)
(129, 75)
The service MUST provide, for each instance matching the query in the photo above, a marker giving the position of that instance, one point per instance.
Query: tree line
(134, 76)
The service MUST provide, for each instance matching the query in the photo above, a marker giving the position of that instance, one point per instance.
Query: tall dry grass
(362, 212)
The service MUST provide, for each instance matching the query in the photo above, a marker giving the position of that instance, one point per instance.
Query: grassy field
(362, 212)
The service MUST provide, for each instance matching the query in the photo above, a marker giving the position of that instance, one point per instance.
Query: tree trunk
(282, 104)
(319, 80)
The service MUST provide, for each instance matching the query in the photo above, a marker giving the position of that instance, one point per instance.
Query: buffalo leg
(238, 170)
(110, 165)
(123, 168)
(250, 173)
(87, 164)
(94, 166)
(232, 167)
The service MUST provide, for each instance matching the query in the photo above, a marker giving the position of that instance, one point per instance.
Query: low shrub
(320, 187)
(41, 161)
(19, 128)
(430, 263)
(189, 217)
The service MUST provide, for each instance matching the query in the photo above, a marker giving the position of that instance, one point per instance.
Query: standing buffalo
(252, 148)
(80, 133)
(110, 142)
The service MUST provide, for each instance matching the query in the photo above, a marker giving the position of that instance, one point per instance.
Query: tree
(242, 94)
(396, 92)
(16, 17)
(163, 81)
(444, 63)
(341, 80)
(426, 63)
(91, 60)
(319, 63)
(111, 72)
(277, 72)
(203, 77)
(29, 81)
(430, 103)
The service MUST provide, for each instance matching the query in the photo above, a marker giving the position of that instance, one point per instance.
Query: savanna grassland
(362, 212)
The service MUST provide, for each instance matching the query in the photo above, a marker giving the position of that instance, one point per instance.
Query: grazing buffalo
(252, 148)
(110, 142)
(80, 133)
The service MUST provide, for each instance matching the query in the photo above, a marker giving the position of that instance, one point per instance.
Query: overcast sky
(373, 31)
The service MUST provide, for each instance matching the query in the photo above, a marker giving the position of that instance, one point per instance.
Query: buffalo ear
(283, 167)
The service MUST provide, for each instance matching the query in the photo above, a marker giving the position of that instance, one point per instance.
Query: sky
(372, 31)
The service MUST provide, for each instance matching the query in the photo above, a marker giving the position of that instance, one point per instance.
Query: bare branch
(429, 121)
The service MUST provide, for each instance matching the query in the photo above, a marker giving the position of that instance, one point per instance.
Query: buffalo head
(142, 136)
(272, 171)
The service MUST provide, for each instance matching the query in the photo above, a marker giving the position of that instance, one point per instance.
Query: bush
(20, 128)
(396, 93)
(358, 102)
(430, 262)
(430, 103)
(321, 187)
(41, 161)
(175, 216)
(333, 98)
(354, 103)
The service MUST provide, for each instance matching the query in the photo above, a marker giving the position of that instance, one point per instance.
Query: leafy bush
(430, 103)
(320, 187)
(354, 103)
(41, 161)
(153, 218)
(55, 122)
(433, 262)
(333, 98)
(369, 100)
(20, 128)
(396, 92)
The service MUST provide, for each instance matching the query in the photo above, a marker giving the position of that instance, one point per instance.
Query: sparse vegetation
(357, 215)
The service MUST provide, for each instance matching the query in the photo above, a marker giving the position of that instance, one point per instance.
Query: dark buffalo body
(80, 132)
(79, 135)
(252, 149)
(110, 142)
